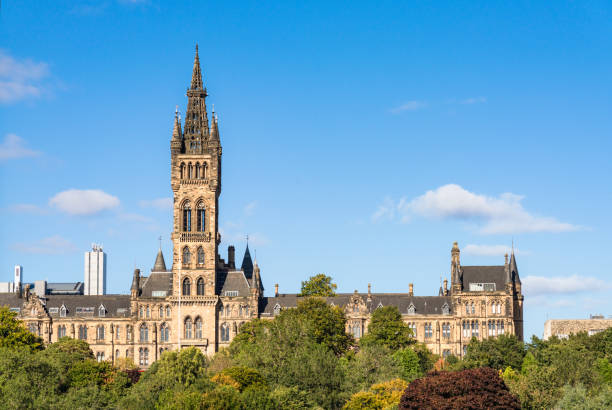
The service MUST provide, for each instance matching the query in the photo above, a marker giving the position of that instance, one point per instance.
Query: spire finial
(160, 240)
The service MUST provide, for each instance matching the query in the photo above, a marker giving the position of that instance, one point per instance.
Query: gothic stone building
(202, 300)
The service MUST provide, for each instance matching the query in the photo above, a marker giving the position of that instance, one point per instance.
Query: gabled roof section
(156, 284)
(233, 281)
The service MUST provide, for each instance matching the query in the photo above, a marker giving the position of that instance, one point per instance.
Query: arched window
(467, 308)
(83, 332)
(144, 333)
(168, 311)
(240, 310)
(197, 170)
(161, 312)
(356, 330)
(141, 312)
(501, 328)
(188, 328)
(190, 171)
(225, 330)
(164, 333)
(186, 287)
(201, 223)
(198, 328)
(493, 307)
(186, 256)
(117, 354)
(200, 287)
(204, 170)
(63, 311)
(473, 308)
(277, 309)
(200, 256)
(101, 311)
(100, 332)
(128, 332)
(228, 310)
(61, 331)
(117, 332)
(148, 312)
(183, 171)
(144, 356)
(127, 352)
(187, 216)
(476, 331)
(498, 307)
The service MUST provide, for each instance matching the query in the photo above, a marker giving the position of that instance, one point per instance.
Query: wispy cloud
(473, 100)
(488, 250)
(14, 147)
(409, 106)
(84, 202)
(541, 285)
(20, 79)
(162, 204)
(497, 215)
(53, 245)
(28, 208)
(250, 208)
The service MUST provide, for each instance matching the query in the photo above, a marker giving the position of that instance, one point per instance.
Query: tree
(409, 364)
(388, 329)
(379, 396)
(372, 364)
(318, 285)
(473, 388)
(498, 353)
(240, 377)
(327, 323)
(13, 333)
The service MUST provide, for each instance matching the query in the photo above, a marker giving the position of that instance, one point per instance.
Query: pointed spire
(196, 77)
(247, 263)
(514, 268)
(177, 133)
(160, 263)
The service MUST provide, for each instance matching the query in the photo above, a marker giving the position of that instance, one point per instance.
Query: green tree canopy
(318, 285)
(388, 329)
(13, 333)
(327, 324)
(496, 352)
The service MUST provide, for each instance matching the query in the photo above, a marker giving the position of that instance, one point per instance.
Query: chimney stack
(411, 289)
(231, 256)
(276, 290)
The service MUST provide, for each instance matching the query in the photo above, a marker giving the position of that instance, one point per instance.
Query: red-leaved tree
(480, 388)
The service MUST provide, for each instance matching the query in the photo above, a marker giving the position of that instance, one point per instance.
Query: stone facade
(562, 328)
(203, 300)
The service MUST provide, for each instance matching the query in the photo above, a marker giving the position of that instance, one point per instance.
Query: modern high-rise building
(95, 271)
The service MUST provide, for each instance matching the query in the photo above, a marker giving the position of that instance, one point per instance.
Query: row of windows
(200, 217)
(355, 330)
(187, 287)
(243, 311)
(187, 256)
(144, 312)
(197, 171)
(470, 329)
(495, 308)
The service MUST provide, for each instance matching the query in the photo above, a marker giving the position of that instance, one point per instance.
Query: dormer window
(101, 311)
(411, 309)
(379, 305)
(445, 309)
(277, 309)
(62, 311)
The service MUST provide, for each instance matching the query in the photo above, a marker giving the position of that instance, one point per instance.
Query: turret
(176, 144)
(135, 284)
(456, 266)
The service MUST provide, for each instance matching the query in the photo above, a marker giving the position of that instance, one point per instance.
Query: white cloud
(84, 202)
(162, 204)
(498, 215)
(53, 245)
(409, 106)
(488, 250)
(14, 147)
(540, 285)
(20, 79)
(474, 100)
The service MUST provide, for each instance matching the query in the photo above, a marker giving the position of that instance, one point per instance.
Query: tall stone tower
(196, 183)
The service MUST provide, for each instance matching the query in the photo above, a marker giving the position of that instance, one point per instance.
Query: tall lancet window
(204, 170)
(201, 227)
(186, 287)
(187, 216)
(186, 256)
(197, 170)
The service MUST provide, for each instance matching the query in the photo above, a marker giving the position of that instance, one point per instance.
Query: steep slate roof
(484, 274)
(157, 281)
(115, 305)
(233, 280)
(424, 305)
(11, 300)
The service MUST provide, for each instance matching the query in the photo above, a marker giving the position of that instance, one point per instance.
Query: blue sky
(360, 139)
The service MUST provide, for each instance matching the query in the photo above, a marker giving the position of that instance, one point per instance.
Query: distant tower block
(18, 276)
(95, 271)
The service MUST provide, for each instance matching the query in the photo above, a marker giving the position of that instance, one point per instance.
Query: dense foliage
(480, 388)
(303, 358)
(318, 285)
